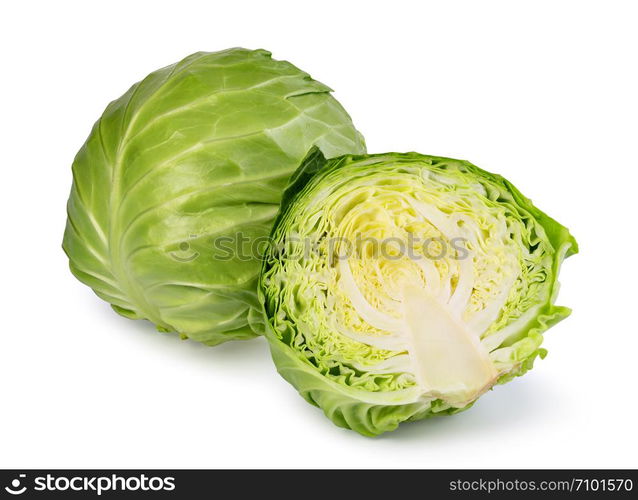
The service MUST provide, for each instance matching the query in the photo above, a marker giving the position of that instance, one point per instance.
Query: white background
(543, 92)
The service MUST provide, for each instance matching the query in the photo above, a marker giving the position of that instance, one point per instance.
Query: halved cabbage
(402, 286)
(189, 159)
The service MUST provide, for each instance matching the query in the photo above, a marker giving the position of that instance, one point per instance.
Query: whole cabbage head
(186, 160)
(402, 286)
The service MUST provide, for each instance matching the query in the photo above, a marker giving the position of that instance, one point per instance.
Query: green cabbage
(403, 286)
(196, 151)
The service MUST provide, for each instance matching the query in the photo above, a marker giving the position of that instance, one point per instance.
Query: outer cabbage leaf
(375, 338)
(196, 152)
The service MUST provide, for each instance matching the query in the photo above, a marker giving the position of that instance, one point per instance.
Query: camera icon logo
(15, 489)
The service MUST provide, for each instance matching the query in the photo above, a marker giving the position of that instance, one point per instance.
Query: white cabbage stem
(446, 357)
